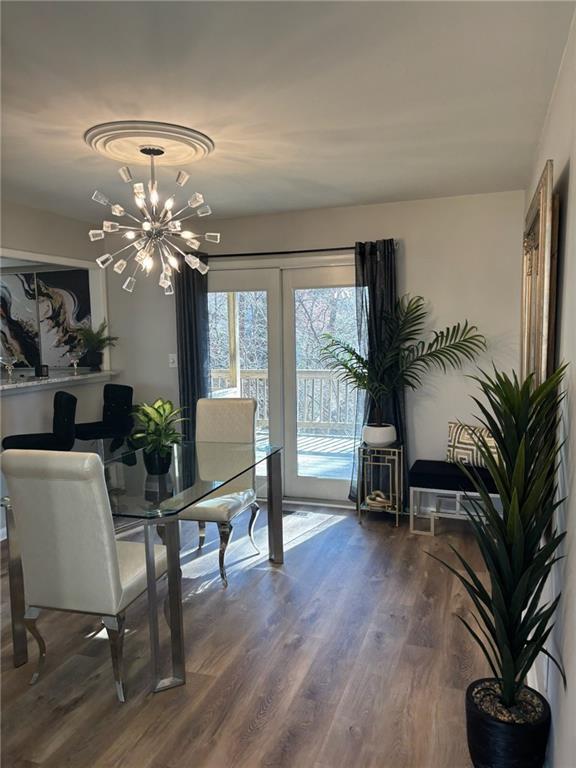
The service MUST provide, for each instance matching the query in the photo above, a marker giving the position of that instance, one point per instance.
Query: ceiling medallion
(122, 140)
(155, 233)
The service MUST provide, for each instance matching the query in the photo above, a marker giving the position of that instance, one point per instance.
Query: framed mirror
(539, 277)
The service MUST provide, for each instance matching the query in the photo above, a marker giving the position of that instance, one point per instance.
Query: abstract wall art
(41, 313)
(63, 307)
(19, 314)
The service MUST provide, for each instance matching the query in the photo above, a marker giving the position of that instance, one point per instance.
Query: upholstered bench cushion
(219, 509)
(445, 476)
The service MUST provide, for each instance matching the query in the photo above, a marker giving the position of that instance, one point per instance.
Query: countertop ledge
(51, 382)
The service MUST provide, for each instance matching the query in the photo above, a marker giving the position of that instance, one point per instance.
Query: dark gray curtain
(376, 294)
(191, 292)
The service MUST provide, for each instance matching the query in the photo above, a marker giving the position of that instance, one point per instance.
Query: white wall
(559, 143)
(145, 321)
(463, 254)
(28, 229)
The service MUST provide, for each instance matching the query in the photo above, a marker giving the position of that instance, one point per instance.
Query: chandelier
(156, 234)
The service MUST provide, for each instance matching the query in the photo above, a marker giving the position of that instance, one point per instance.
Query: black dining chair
(63, 433)
(117, 421)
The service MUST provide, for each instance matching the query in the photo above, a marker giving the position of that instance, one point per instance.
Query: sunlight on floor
(101, 634)
(298, 528)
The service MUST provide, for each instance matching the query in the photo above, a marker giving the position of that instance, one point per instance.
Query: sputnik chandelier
(157, 234)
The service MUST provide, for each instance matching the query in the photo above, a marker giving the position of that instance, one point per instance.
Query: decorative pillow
(462, 445)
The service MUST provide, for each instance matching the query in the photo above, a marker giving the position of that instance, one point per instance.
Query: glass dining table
(198, 470)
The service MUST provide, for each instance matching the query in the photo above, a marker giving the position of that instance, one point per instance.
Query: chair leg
(201, 533)
(115, 626)
(253, 517)
(30, 617)
(225, 530)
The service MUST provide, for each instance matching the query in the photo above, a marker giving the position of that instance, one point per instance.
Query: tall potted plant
(507, 722)
(403, 358)
(156, 433)
(94, 342)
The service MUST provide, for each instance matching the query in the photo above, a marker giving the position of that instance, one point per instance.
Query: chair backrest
(117, 410)
(64, 418)
(64, 529)
(225, 420)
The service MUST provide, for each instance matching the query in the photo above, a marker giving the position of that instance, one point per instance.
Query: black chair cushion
(445, 476)
(94, 430)
(63, 436)
(64, 419)
(117, 418)
(43, 441)
(117, 411)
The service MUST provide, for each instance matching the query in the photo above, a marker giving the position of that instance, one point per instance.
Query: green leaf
(484, 648)
(523, 419)
(403, 356)
(157, 425)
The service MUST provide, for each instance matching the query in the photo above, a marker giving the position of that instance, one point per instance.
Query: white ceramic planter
(379, 437)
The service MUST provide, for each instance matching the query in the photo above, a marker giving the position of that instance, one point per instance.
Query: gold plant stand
(380, 467)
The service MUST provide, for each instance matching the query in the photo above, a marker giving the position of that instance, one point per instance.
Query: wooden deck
(348, 656)
(327, 456)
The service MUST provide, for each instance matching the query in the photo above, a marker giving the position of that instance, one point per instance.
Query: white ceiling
(309, 104)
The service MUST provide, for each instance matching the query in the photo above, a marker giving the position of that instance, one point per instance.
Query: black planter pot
(94, 360)
(156, 464)
(496, 744)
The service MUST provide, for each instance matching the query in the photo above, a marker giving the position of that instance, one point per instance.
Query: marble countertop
(31, 383)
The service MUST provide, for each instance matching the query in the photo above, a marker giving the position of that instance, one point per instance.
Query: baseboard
(291, 500)
(348, 505)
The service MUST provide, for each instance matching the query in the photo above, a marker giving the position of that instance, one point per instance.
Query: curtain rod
(289, 253)
(283, 253)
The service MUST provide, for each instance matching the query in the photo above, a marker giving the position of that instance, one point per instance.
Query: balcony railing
(326, 405)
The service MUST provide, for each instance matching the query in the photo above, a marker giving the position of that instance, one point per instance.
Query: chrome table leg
(275, 530)
(152, 604)
(178, 677)
(175, 602)
(16, 584)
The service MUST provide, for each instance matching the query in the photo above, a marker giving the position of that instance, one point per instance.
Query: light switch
(172, 360)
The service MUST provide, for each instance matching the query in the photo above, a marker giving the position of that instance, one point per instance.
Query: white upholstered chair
(224, 420)
(71, 560)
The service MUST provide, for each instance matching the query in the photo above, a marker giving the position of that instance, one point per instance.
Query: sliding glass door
(319, 408)
(267, 330)
(245, 344)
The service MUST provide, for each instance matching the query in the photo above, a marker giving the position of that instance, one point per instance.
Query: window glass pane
(238, 323)
(326, 406)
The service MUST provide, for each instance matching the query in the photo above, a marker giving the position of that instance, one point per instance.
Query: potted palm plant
(94, 342)
(507, 722)
(156, 433)
(403, 358)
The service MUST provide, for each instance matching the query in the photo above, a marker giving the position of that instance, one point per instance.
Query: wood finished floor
(348, 656)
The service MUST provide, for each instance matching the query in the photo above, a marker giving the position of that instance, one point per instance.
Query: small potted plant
(156, 433)
(94, 342)
(507, 722)
(402, 360)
